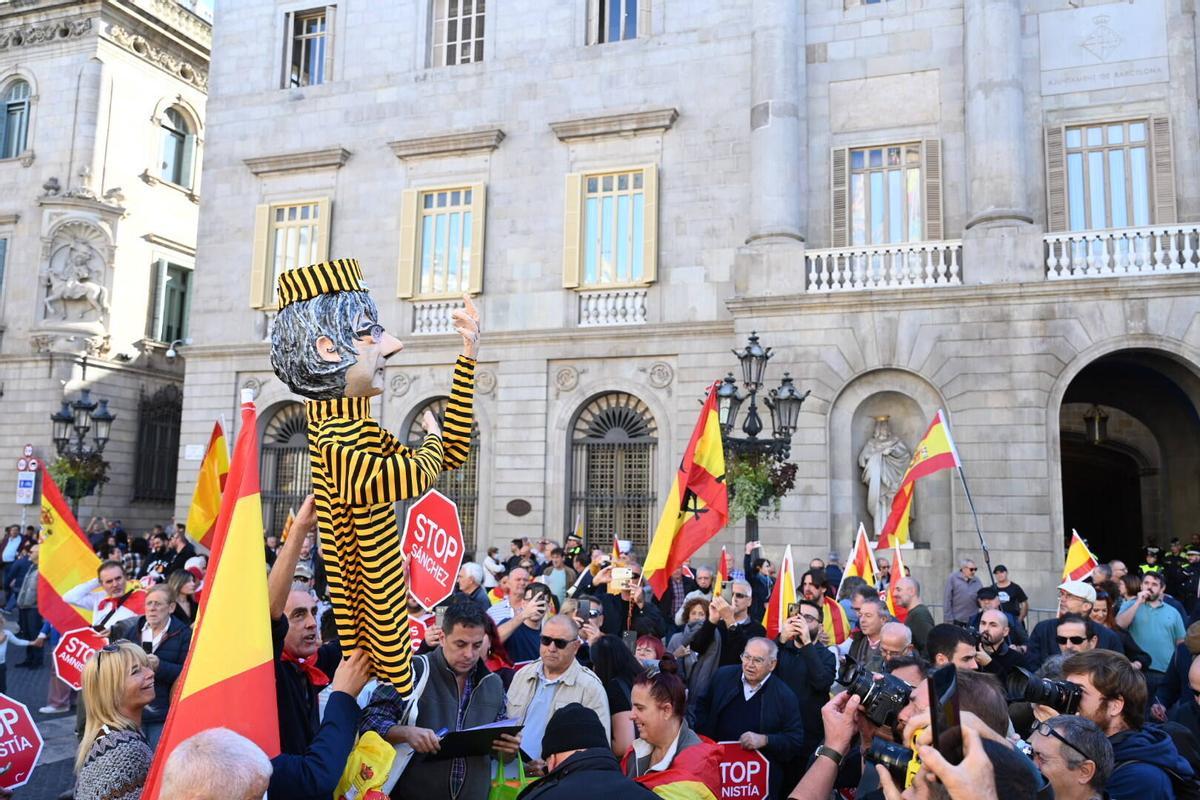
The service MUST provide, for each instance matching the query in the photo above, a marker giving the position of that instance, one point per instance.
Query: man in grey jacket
(958, 603)
(459, 693)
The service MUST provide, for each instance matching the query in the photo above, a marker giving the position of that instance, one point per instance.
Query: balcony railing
(889, 266)
(612, 307)
(433, 317)
(1152, 250)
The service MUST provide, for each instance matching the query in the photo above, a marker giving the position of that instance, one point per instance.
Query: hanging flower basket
(79, 476)
(757, 485)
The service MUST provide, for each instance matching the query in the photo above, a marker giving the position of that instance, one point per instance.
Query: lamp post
(71, 424)
(784, 403)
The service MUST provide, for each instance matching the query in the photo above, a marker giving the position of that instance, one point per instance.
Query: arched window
(178, 149)
(460, 485)
(16, 120)
(284, 472)
(611, 470)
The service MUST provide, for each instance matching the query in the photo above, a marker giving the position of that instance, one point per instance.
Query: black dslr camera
(882, 699)
(1062, 696)
(971, 632)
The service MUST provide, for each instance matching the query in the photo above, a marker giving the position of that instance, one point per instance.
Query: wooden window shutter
(478, 217)
(839, 201)
(650, 223)
(285, 72)
(158, 280)
(1164, 171)
(1056, 178)
(406, 277)
(643, 19)
(572, 211)
(931, 170)
(187, 166)
(323, 210)
(593, 21)
(261, 254)
(330, 13)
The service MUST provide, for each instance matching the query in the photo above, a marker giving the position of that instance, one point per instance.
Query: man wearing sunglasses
(1076, 634)
(555, 680)
(958, 601)
(1074, 755)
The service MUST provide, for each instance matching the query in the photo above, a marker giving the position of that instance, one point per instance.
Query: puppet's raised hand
(466, 322)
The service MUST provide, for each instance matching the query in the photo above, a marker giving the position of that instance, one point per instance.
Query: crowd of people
(599, 684)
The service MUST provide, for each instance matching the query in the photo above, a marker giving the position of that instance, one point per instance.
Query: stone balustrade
(889, 266)
(1150, 250)
(610, 307)
(433, 317)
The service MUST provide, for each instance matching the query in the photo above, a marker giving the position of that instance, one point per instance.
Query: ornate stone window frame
(7, 79)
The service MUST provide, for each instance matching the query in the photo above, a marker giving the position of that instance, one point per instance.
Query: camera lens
(882, 699)
(1062, 696)
(890, 754)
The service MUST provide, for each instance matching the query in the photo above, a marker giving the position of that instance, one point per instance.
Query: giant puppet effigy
(327, 345)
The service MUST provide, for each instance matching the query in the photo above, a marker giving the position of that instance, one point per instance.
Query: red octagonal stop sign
(20, 743)
(72, 652)
(745, 774)
(433, 548)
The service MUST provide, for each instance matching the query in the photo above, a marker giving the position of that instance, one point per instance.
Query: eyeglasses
(740, 595)
(1045, 730)
(375, 331)
(561, 644)
(972, 569)
(108, 648)
(810, 618)
(1071, 639)
(757, 661)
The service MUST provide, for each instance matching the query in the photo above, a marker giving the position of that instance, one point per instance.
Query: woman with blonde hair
(114, 757)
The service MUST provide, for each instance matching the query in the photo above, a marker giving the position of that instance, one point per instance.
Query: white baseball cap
(1080, 589)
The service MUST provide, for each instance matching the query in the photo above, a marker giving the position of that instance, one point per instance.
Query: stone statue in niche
(883, 460)
(75, 272)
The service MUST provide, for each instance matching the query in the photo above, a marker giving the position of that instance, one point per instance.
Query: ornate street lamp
(784, 403)
(71, 424)
(1095, 422)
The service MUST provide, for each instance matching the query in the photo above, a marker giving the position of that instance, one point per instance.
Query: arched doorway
(611, 476)
(1130, 447)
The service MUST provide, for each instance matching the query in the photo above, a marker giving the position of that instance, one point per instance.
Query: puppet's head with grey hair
(316, 335)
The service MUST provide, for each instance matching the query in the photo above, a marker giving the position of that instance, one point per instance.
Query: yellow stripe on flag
(225, 615)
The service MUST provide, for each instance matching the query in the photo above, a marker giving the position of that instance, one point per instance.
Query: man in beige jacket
(553, 681)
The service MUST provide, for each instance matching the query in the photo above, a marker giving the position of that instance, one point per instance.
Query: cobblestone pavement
(54, 773)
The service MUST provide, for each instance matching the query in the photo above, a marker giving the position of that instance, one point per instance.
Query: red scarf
(309, 668)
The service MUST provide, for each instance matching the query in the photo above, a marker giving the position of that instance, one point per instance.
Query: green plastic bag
(508, 788)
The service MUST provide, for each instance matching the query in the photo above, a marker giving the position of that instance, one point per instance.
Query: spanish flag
(934, 452)
(230, 664)
(895, 609)
(206, 499)
(1080, 561)
(834, 620)
(694, 774)
(722, 573)
(698, 505)
(65, 560)
(783, 594)
(861, 562)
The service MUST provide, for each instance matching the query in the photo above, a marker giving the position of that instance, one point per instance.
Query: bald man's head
(993, 627)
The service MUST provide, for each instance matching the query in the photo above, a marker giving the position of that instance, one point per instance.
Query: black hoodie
(588, 773)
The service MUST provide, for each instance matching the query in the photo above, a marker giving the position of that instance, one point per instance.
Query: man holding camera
(524, 640)
(1155, 627)
(1114, 697)
(995, 656)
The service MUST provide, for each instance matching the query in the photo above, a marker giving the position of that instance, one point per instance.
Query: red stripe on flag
(58, 612)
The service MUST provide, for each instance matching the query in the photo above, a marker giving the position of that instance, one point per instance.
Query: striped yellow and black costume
(359, 471)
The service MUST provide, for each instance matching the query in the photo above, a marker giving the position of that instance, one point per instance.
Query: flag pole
(987, 556)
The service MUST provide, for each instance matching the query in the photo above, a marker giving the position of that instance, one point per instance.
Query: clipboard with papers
(475, 741)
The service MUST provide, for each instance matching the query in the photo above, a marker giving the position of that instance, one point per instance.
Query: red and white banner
(745, 774)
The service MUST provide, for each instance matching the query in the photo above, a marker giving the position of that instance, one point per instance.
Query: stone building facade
(983, 206)
(100, 143)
